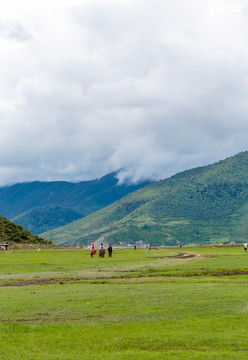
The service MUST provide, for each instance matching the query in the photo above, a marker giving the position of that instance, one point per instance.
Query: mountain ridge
(200, 205)
(41, 206)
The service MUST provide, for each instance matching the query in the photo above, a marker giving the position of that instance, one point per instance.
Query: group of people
(110, 249)
(101, 250)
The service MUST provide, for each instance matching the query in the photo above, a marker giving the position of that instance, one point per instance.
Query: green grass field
(187, 303)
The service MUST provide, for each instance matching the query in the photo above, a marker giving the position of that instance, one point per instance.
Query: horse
(93, 252)
(101, 252)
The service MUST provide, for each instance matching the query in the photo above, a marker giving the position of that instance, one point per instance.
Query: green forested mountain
(41, 206)
(10, 232)
(45, 218)
(202, 205)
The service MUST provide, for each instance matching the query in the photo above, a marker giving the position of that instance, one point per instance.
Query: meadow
(171, 303)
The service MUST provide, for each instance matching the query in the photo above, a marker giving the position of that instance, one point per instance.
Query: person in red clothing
(92, 249)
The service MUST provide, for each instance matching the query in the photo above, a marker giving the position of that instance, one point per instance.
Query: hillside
(202, 205)
(10, 232)
(42, 206)
(45, 218)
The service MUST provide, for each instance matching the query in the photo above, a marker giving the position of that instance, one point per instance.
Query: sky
(151, 87)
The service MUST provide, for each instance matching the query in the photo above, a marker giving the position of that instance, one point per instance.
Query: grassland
(172, 303)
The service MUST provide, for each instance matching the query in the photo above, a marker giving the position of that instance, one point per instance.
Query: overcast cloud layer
(150, 86)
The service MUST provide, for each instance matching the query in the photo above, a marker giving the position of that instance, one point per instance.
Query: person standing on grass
(245, 246)
(110, 249)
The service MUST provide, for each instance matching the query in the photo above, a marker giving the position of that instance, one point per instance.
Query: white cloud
(152, 87)
(15, 31)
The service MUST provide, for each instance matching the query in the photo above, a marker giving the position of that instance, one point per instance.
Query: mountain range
(203, 205)
(42, 206)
